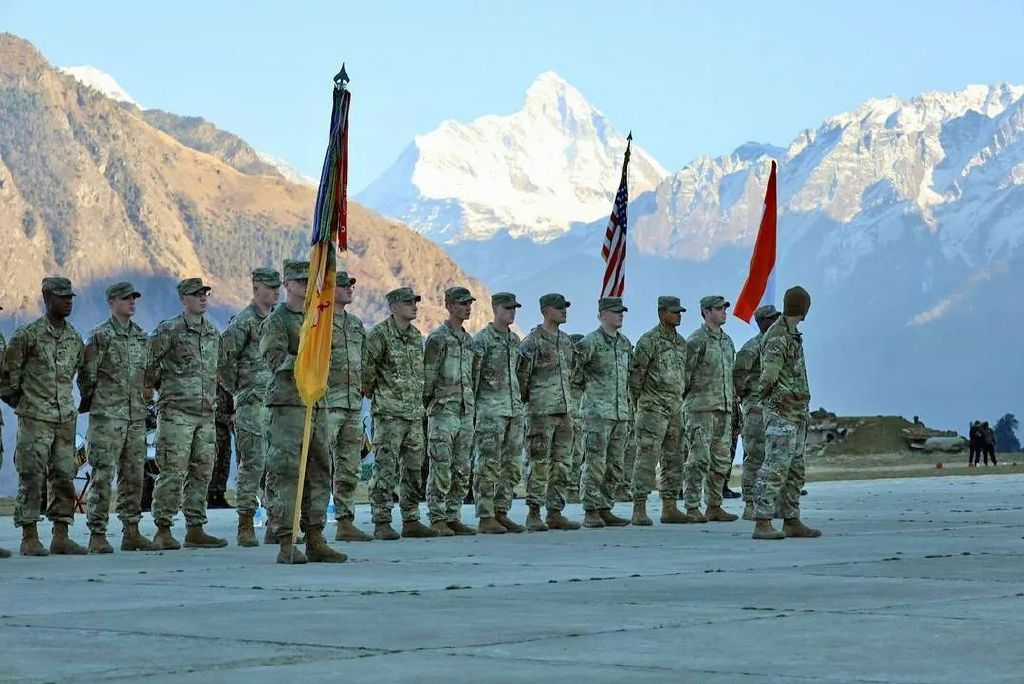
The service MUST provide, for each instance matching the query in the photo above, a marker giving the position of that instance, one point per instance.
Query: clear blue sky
(688, 78)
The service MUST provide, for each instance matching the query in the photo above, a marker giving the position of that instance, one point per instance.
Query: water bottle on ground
(330, 510)
(260, 518)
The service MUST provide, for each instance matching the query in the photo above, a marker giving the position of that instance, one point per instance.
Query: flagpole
(307, 432)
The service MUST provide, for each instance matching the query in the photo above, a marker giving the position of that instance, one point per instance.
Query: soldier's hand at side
(147, 394)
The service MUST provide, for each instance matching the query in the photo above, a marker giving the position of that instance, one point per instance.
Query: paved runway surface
(916, 580)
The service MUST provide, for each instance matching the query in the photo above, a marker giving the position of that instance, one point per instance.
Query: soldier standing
(576, 469)
(708, 412)
(344, 408)
(785, 397)
(499, 418)
(657, 383)
(393, 381)
(39, 365)
(746, 374)
(449, 360)
(224, 416)
(182, 367)
(111, 383)
(545, 378)
(4, 553)
(244, 373)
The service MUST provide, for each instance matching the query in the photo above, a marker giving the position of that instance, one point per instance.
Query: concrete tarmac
(915, 580)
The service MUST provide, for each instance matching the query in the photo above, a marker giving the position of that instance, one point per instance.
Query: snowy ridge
(101, 81)
(289, 172)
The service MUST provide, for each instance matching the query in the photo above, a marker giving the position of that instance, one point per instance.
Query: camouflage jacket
(709, 371)
(497, 390)
(344, 382)
(657, 378)
(113, 374)
(393, 370)
(39, 365)
(746, 372)
(242, 368)
(3, 350)
(602, 373)
(279, 345)
(545, 372)
(783, 387)
(182, 366)
(449, 360)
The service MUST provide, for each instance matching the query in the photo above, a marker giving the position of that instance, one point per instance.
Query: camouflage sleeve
(773, 356)
(274, 345)
(694, 355)
(14, 362)
(89, 370)
(741, 374)
(582, 354)
(525, 367)
(373, 352)
(159, 344)
(231, 341)
(643, 355)
(479, 350)
(433, 357)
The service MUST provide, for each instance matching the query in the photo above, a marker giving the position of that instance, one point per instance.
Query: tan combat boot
(670, 513)
(62, 544)
(461, 530)
(440, 528)
(164, 540)
(246, 533)
(719, 514)
(414, 529)
(592, 519)
(30, 545)
(640, 517)
(748, 510)
(612, 520)
(98, 543)
(132, 539)
(763, 530)
(385, 532)
(196, 538)
(350, 533)
(318, 550)
(556, 521)
(533, 521)
(491, 526)
(502, 518)
(793, 527)
(695, 516)
(288, 554)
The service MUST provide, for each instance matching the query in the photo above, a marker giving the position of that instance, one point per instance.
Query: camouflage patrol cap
(505, 299)
(670, 303)
(611, 304)
(58, 285)
(402, 294)
(458, 295)
(796, 301)
(122, 290)
(576, 337)
(295, 269)
(555, 300)
(713, 302)
(763, 313)
(266, 276)
(191, 286)
(344, 279)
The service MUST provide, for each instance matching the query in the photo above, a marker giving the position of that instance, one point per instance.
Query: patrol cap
(458, 295)
(796, 302)
(344, 279)
(713, 301)
(555, 300)
(763, 313)
(611, 304)
(295, 270)
(670, 303)
(190, 286)
(58, 285)
(122, 290)
(266, 276)
(576, 337)
(505, 299)
(402, 294)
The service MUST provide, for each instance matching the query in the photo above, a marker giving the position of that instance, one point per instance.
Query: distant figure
(976, 443)
(224, 417)
(988, 443)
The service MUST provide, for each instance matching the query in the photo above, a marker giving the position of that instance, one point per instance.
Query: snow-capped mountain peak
(101, 81)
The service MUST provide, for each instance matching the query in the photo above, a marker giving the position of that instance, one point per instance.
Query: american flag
(614, 249)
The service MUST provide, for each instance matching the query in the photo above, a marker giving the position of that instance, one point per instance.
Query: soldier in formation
(4, 553)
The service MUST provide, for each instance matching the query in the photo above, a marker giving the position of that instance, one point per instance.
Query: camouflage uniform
(708, 414)
(602, 372)
(393, 380)
(545, 378)
(182, 366)
(746, 374)
(499, 421)
(344, 410)
(785, 396)
(657, 383)
(448, 362)
(3, 351)
(221, 470)
(113, 377)
(576, 469)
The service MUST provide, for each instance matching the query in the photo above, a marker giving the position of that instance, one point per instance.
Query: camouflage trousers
(346, 429)
(605, 443)
(284, 451)
(45, 451)
(782, 475)
(753, 450)
(221, 461)
(660, 438)
(498, 445)
(398, 462)
(548, 459)
(707, 435)
(117, 445)
(184, 455)
(251, 454)
(450, 450)
(623, 489)
(576, 467)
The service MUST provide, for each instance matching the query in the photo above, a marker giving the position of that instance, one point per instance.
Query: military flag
(613, 251)
(759, 289)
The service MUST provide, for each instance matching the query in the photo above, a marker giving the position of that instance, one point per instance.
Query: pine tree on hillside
(1006, 434)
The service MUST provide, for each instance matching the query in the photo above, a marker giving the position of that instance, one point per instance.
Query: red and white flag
(760, 286)
(614, 249)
